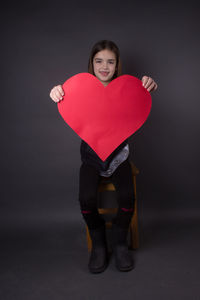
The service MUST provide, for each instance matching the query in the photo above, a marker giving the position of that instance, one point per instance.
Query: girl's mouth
(104, 73)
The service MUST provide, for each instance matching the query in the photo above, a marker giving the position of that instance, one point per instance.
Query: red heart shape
(104, 116)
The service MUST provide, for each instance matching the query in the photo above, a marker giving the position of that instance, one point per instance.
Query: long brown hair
(102, 45)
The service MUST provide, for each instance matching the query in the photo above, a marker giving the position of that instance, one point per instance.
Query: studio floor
(50, 262)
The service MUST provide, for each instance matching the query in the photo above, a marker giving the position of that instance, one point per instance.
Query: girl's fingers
(148, 82)
(145, 80)
(57, 94)
(60, 90)
(155, 87)
(151, 87)
(52, 96)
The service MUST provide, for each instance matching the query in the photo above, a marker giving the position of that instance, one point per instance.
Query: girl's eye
(99, 61)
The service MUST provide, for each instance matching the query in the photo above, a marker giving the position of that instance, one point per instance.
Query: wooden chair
(105, 186)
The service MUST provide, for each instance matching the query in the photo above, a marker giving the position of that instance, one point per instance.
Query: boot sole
(125, 269)
(99, 270)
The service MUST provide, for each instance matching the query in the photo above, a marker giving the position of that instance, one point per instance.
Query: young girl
(105, 64)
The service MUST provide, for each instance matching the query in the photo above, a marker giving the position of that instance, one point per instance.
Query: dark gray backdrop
(43, 44)
(46, 43)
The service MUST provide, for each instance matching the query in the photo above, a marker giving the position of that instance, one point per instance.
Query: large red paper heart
(104, 116)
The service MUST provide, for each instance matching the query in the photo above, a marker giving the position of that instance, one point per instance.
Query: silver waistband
(117, 160)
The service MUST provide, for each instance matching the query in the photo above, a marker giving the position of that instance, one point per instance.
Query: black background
(43, 44)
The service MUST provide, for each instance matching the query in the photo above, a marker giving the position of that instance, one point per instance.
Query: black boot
(123, 258)
(99, 254)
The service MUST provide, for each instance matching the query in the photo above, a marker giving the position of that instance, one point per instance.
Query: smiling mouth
(104, 73)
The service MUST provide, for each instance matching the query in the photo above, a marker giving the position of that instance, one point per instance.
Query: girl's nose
(105, 65)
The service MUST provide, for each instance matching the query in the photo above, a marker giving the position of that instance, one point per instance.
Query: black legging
(88, 184)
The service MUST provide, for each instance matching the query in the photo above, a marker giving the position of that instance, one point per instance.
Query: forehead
(105, 54)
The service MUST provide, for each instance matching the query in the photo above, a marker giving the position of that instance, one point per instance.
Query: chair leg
(134, 234)
(89, 241)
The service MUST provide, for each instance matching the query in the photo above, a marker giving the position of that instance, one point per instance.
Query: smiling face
(104, 65)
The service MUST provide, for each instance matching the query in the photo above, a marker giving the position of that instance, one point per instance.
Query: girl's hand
(149, 84)
(57, 93)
